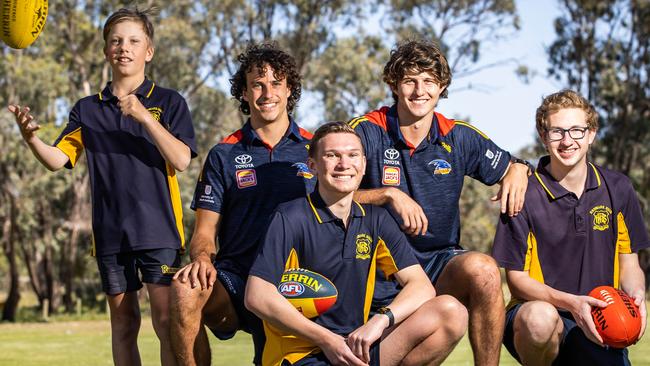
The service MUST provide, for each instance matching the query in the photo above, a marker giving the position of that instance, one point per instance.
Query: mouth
(124, 60)
(419, 101)
(266, 106)
(342, 177)
(567, 152)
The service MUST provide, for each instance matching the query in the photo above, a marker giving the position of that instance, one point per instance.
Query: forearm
(173, 150)
(632, 278)
(415, 291)
(376, 196)
(526, 288)
(51, 157)
(202, 246)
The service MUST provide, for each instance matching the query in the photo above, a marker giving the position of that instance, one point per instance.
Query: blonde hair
(562, 100)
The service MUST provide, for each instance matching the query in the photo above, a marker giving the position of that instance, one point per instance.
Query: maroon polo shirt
(569, 243)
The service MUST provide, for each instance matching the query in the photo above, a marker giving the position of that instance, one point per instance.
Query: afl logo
(391, 154)
(291, 289)
(243, 159)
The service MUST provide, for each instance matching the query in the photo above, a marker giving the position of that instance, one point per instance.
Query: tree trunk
(13, 297)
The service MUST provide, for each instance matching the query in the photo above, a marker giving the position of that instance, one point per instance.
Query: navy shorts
(432, 262)
(248, 322)
(119, 272)
(575, 347)
(319, 359)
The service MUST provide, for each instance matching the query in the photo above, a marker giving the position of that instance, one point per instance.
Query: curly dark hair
(417, 56)
(260, 56)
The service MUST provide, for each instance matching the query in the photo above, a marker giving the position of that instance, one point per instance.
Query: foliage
(340, 47)
(603, 50)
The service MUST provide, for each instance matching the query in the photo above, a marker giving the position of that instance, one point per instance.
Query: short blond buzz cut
(330, 128)
(564, 99)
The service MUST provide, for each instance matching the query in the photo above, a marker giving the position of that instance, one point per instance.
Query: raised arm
(51, 157)
(173, 150)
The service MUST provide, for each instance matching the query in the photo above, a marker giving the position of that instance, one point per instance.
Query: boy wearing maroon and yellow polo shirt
(136, 136)
(581, 227)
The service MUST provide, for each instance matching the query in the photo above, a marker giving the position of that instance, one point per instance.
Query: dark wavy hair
(260, 56)
(416, 56)
(134, 15)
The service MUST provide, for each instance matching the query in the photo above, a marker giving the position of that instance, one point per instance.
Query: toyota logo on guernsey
(391, 155)
(243, 161)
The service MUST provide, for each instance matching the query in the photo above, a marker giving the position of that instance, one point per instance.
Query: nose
(566, 138)
(419, 87)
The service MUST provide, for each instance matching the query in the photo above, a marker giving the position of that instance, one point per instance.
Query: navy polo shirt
(244, 180)
(431, 173)
(304, 233)
(572, 244)
(136, 200)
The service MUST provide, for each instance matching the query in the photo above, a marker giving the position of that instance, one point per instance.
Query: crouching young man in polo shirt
(321, 232)
(580, 227)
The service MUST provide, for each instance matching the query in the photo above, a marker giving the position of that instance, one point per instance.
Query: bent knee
(452, 316)
(482, 268)
(182, 292)
(537, 321)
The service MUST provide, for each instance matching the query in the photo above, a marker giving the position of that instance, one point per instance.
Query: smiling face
(128, 49)
(568, 152)
(417, 97)
(266, 95)
(339, 164)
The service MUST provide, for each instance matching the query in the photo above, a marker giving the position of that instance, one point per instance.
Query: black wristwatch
(530, 166)
(386, 311)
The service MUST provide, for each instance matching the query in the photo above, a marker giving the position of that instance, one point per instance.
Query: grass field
(78, 343)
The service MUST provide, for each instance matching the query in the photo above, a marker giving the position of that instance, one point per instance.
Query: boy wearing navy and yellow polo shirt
(327, 232)
(581, 227)
(244, 178)
(417, 162)
(136, 136)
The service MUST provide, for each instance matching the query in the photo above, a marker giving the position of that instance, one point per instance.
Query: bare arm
(522, 286)
(203, 249)
(263, 299)
(51, 157)
(173, 150)
(512, 192)
(414, 221)
(632, 281)
(416, 290)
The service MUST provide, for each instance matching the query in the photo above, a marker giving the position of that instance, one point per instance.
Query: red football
(619, 324)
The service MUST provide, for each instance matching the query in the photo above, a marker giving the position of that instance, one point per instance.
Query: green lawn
(88, 343)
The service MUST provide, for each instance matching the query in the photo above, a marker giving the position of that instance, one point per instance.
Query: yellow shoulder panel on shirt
(532, 264)
(72, 145)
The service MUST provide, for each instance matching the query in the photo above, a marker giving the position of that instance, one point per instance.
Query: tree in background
(602, 50)
(340, 45)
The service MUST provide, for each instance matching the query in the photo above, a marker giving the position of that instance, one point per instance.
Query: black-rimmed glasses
(557, 134)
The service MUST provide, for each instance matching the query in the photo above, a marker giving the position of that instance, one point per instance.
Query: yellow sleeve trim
(72, 145)
(473, 128)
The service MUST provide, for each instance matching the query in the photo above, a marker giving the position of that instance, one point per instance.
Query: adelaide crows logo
(303, 170)
(439, 167)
